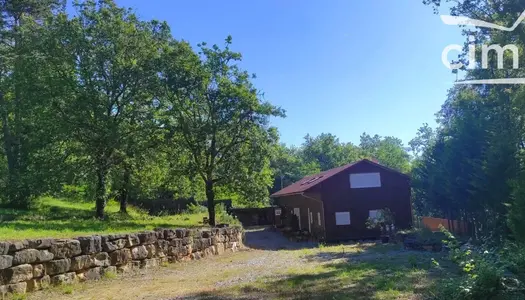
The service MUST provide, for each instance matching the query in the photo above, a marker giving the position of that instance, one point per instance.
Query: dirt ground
(271, 267)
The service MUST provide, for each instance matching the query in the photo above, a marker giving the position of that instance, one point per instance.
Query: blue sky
(340, 67)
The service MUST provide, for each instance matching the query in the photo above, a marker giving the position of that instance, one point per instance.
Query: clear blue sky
(342, 67)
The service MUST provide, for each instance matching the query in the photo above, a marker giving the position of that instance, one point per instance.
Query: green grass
(61, 218)
(110, 275)
(355, 271)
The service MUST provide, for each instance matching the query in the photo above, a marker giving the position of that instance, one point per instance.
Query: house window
(311, 218)
(342, 218)
(365, 180)
(374, 214)
(319, 218)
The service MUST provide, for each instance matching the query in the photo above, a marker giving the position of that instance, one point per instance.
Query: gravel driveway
(266, 238)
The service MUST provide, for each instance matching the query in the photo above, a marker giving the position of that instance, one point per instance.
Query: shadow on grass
(366, 251)
(47, 212)
(84, 226)
(366, 280)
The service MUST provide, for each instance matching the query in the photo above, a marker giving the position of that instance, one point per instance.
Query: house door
(297, 212)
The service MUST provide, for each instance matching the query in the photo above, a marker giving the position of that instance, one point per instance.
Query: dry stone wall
(30, 265)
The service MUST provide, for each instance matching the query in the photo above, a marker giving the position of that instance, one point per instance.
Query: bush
(482, 275)
(196, 209)
(514, 257)
(223, 216)
(75, 192)
(449, 289)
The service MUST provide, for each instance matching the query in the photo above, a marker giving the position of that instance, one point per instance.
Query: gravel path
(269, 239)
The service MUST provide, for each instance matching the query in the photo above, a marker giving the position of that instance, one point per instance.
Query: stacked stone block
(31, 265)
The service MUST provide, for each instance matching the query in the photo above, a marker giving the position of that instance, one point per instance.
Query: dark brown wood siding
(305, 203)
(337, 196)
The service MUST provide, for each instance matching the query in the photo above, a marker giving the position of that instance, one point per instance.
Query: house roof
(312, 180)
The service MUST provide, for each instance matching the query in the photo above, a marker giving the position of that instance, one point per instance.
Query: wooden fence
(457, 227)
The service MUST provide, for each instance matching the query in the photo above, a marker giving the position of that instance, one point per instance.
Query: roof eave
(287, 194)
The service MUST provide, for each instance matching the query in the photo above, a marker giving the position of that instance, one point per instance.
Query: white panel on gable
(342, 218)
(365, 180)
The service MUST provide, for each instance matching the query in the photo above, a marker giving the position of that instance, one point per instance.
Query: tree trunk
(124, 192)
(100, 195)
(210, 196)
(124, 201)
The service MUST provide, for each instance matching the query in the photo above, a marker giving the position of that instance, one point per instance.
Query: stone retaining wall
(30, 265)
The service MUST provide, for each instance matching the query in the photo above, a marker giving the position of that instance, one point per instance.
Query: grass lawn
(60, 218)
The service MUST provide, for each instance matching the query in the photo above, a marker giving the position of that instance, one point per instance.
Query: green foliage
(412, 260)
(76, 192)
(68, 289)
(17, 296)
(110, 275)
(105, 101)
(219, 119)
(471, 167)
(26, 126)
(224, 216)
(196, 209)
(482, 277)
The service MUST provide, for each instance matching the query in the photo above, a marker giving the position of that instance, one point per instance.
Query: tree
(220, 119)
(21, 21)
(289, 166)
(473, 169)
(424, 138)
(389, 151)
(105, 60)
(327, 151)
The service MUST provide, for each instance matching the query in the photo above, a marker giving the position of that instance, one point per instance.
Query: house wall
(305, 204)
(337, 196)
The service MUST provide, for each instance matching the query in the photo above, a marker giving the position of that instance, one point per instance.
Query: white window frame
(365, 180)
(374, 214)
(342, 218)
(319, 218)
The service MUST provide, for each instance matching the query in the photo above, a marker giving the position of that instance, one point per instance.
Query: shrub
(75, 192)
(449, 289)
(482, 274)
(223, 216)
(196, 209)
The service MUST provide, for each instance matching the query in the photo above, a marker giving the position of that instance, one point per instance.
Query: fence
(455, 226)
(255, 216)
